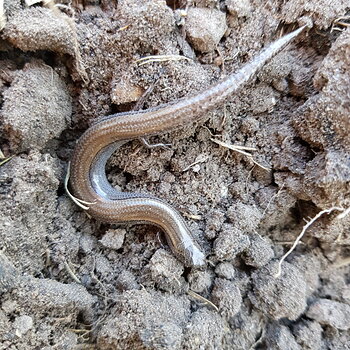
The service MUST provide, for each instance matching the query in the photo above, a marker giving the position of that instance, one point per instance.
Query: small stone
(239, 8)
(22, 325)
(123, 91)
(227, 297)
(205, 28)
(329, 312)
(113, 239)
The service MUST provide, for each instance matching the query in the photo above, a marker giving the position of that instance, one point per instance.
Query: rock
(113, 239)
(331, 313)
(205, 28)
(22, 325)
(123, 91)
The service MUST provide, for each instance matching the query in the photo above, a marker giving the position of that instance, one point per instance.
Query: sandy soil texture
(69, 282)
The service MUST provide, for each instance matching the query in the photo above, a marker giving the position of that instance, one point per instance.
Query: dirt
(69, 282)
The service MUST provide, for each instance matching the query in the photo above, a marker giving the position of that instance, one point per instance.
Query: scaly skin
(88, 179)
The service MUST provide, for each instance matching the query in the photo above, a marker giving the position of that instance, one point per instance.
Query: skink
(87, 169)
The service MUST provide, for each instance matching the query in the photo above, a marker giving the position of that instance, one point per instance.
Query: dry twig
(242, 150)
(202, 299)
(161, 58)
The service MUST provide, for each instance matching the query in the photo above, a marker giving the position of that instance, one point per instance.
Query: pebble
(205, 27)
(113, 239)
(22, 325)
